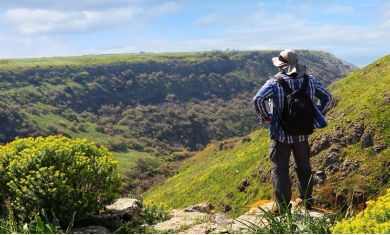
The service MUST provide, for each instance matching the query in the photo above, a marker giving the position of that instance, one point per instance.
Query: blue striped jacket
(273, 92)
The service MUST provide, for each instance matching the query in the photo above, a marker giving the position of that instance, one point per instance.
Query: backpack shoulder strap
(305, 83)
(283, 84)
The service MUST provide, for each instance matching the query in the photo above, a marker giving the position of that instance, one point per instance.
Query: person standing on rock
(287, 134)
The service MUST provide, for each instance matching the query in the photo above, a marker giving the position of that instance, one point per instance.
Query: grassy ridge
(107, 59)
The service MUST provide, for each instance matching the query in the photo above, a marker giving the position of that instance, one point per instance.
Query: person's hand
(267, 122)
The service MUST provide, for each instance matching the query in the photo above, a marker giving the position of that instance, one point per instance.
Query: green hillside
(350, 156)
(219, 176)
(353, 150)
(151, 109)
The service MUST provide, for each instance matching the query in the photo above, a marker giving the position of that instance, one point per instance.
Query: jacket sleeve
(324, 96)
(259, 101)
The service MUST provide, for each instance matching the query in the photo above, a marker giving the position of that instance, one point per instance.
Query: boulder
(204, 207)
(126, 209)
(331, 158)
(245, 183)
(355, 133)
(367, 139)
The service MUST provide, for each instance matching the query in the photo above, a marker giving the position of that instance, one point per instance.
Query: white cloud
(48, 21)
(76, 5)
(55, 22)
(340, 9)
(75, 27)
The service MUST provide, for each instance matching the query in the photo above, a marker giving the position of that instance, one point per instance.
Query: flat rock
(125, 204)
(89, 230)
(180, 220)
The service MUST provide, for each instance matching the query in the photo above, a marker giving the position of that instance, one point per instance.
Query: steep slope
(350, 156)
(353, 149)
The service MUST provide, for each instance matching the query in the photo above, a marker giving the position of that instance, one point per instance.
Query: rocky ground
(196, 219)
(192, 221)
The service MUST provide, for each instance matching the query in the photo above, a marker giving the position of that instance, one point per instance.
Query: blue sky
(356, 31)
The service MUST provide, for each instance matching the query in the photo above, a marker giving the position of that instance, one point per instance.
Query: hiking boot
(280, 210)
(300, 202)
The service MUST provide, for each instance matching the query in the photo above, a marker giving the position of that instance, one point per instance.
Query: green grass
(212, 174)
(127, 159)
(294, 221)
(362, 98)
(50, 62)
(106, 59)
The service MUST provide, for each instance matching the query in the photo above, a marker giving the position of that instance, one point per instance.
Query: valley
(152, 110)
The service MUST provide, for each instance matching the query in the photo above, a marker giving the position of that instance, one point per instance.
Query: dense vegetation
(151, 109)
(350, 156)
(64, 177)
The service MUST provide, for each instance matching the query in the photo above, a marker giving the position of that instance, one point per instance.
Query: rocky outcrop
(201, 223)
(204, 207)
(124, 209)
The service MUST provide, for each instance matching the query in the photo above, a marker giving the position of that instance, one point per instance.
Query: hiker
(295, 139)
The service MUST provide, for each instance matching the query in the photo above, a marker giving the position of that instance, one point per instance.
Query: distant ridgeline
(350, 157)
(156, 103)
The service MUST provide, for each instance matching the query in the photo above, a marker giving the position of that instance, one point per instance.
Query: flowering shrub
(56, 174)
(375, 219)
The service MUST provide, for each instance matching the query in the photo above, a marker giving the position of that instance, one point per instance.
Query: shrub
(375, 219)
(57, 174)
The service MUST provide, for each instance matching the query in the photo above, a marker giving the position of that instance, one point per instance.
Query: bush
(375, 219)
(57, 174)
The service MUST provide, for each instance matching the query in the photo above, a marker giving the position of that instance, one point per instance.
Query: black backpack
(298, 113)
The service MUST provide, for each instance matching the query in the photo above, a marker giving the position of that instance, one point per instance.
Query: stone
(379, 147)
(356, 132)
(331, 158)
(320, 145)
(204, 207)
(245, 183)
(359, 197)
(179, 220)
(319, 177)
(126, 209)
(226, 208)
(205, 228)
(340, 199)
(240, 188)
(89, 230)
(367, 139)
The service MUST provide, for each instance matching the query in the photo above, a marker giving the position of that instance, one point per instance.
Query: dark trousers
(280, 155)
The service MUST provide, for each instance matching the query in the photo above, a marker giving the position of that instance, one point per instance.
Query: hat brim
(277, 62)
